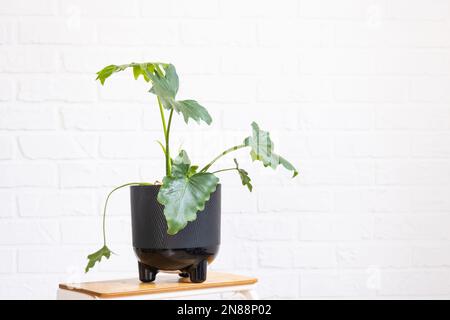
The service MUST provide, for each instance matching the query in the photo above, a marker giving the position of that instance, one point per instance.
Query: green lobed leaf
(191, 109)
(262, 149)
(184, 193)
(245, 179)
(107, 71)
(165, 86)
(97, 257)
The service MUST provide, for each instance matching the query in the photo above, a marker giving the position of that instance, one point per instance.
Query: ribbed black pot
(189, 251)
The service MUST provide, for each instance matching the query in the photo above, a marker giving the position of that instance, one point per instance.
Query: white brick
(278, 285)
(93, 175)
(418, 200)
(24, 7)
(211, 89)
(235, 256)
(304, 145)
(359, 89)
(336, 172)
(31, 287)
(293, 199)
(294, 89)
(335, 284)
(259, 8)
(365, 256)
(99, 8)
(27, 175)
(411, 62)
(28, 232)
(412, 172)
(71, 89)
(6, 147)
(238, 199)
(430, 89)
(354, 200)
(177, 8)
(129, 146)
(102, 118)
(431, 145)
(437, 255)
(336, 116)
(315, 256)
(415, 283)
(58, 146)
(295, 33)
(285, 118)
(378, 33)
(57, 31)
(342, 227)
(128, 32)
(275, 256)
(8, 204)
(33, 117)
(259, 228)
(118, 232)
(357, 145)
(336, 61)
(28, 60)
(408, 227)
(8, 259)
(333, 9)
(412, 117)
(418, 9)
(251, 61)
(218, 33)
(93, 59)
(7, 31)
(56, 204)
(6, 90)
(51, 260)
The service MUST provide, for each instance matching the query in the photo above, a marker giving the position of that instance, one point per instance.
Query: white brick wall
(356, 93)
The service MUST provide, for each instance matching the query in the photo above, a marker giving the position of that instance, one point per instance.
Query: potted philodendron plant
(176, 223)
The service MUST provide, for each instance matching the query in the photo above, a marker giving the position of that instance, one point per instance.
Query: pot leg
(184, 274)
(146, 273)
(198, 273)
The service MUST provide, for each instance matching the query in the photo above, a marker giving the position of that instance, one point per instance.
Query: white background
(355, 93)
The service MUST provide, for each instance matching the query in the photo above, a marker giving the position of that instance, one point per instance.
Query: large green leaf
(262, 149)
(184, 193)
(165, 86)
(97, 257)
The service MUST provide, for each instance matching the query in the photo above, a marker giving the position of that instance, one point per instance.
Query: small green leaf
(262, 149)
(183, 195)
(136, 71)
(107, 71)
(244, 176)
(97, 257)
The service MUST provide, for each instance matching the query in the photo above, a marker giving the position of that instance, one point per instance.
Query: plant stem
(221, 155)
(107, 199)
(222, 170)
(163, 119)
(168, 164)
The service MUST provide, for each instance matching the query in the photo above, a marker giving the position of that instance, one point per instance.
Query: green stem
(168, 163)
(221, 155)
(107, 199)
(163, 119)
(222, 170)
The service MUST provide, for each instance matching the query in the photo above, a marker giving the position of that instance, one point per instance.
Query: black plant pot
(189, 251)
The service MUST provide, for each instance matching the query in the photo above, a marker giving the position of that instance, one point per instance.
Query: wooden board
(163, 284)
